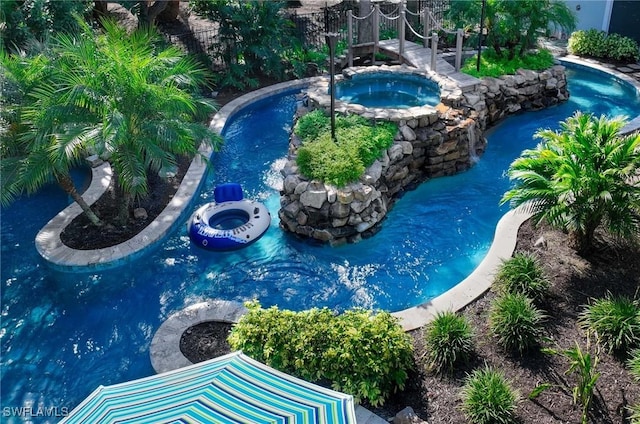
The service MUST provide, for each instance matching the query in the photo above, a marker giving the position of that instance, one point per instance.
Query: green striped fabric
(230, 389)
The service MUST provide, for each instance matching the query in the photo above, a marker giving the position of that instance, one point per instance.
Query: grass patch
(493, 66)
(522, 274)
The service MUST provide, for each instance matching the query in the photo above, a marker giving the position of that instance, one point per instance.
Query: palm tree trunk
(123, 210)
(67, 185)
(149, 11)
(582, 241)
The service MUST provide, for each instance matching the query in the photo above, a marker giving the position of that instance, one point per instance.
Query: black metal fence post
(331, 38)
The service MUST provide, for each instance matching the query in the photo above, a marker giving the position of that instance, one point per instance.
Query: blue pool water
(63, 334)
(388, 90)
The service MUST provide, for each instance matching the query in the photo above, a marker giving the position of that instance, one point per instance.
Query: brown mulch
(205, 341)
(612, 268)
(83, 235)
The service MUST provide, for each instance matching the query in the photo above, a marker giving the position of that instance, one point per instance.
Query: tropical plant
(253, 36)
(449, 339)
(25, 21)
(615, 322)
(359, 352)
(487, 398)
(304, 61)
(118, 95)
(522, 273)
(581, 177)
(515, 322)
(584, 366)
(513, 27)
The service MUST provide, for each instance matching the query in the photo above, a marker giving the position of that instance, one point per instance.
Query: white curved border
(478, 282)
(165, 347)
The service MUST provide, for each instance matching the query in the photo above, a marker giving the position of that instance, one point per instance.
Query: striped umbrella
(230, 389)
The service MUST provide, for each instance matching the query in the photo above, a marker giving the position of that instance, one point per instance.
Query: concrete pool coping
(52, 249)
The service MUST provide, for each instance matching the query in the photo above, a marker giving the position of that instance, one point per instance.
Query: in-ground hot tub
(396, 90)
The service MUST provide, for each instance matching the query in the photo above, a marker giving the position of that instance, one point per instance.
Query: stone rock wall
(430, 142)
(496, 98)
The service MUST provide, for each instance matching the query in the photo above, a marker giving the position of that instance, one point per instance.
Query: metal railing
(425, 16)
(417, 25)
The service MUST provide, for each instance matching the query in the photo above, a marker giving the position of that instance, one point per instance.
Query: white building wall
(591, 13)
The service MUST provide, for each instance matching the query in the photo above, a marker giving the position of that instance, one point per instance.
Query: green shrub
(302, 61)
(359, 143)
(365, 354)
(516, 322)
(311, 125)
(588, 43)
(598, 44)
(522, 274)
(615, 321)
(253, 39)
(491, 65)
(25, 21)
(634, 364)
(327, 161)
(449, 339)
(487, 398)
(622, 49)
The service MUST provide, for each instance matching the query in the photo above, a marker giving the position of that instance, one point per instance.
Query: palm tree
(30, 159)
(118, 95)
(580, 177)
(513, 25)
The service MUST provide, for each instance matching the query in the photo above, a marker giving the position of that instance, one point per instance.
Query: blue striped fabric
(230, 389)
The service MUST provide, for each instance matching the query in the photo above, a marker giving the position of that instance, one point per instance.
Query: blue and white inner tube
(229, 225)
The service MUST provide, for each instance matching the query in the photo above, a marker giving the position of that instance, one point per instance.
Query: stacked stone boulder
(525, 91)
(430, 142)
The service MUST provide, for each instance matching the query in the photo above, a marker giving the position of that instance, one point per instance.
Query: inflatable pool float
(231, 222)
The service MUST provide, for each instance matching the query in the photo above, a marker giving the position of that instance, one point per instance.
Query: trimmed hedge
(361, 353)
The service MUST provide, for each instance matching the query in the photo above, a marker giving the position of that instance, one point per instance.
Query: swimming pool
(388, 90)
(63, 334)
